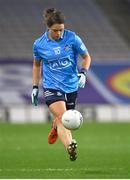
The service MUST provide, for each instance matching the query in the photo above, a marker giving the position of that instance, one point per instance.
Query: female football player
(57, 51)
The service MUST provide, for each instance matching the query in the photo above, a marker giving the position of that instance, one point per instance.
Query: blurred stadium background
(104, 25)
(105, 28)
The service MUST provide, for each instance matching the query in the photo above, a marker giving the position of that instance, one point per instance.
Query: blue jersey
(59, 58)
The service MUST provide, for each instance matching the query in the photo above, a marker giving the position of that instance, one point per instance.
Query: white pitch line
(59, 169)
(46, 169)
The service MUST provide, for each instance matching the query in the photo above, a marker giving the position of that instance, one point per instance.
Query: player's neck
(50, 37)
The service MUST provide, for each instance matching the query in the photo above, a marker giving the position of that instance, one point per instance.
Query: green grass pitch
(103, 152)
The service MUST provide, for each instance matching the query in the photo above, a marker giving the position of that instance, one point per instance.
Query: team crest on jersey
(68, 47)
(57, 50)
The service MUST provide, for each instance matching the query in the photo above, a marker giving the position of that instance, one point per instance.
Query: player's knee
(58, 119)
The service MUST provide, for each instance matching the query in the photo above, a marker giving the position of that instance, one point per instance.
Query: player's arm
(36, 72)
(36, 76)
(84, 69)
(86, 61)
(82, 50)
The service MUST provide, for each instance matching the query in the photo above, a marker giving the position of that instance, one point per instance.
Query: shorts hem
(53, 101)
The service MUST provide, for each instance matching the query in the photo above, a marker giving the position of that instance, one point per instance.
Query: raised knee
(58, 119)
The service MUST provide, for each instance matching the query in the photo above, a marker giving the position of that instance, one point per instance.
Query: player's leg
(55, 100)
(70, 104)
(57, 109)
(71, 100)
(56, 103)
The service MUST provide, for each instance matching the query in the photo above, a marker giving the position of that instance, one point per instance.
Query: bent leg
(57, 109)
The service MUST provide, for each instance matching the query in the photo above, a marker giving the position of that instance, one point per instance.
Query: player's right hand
(34, 95)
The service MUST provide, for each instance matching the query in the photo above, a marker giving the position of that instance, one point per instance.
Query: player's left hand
(82, 80)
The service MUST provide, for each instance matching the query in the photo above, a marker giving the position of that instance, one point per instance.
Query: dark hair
(53, 16)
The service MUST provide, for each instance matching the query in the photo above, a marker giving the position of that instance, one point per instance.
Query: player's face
(56, 30)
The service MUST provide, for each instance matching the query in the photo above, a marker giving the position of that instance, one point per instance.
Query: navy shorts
(52, 95)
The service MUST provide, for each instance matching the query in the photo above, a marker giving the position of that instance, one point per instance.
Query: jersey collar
(48, 39)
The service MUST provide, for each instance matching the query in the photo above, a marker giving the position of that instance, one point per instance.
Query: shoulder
(70, 33)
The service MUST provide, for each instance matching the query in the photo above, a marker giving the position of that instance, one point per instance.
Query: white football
(72, 119)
